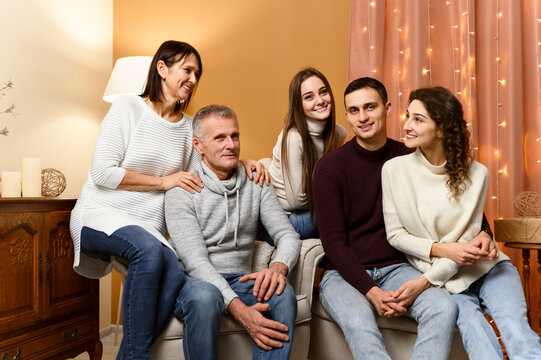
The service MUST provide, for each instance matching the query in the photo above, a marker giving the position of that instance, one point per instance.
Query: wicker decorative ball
(53, 182)
(528, 203)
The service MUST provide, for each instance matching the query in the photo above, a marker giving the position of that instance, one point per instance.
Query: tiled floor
(109, 350)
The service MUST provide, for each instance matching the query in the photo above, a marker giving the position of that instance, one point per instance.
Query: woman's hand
(186, 180)
(462, 253)
(262, 175)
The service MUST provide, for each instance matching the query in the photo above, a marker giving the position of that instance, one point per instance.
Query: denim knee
(204, 301)
(285, 303)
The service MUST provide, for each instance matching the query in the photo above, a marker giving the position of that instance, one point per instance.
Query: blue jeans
(434, 310)
(199, 306)
(300, 220)
(154, 279)
(282, 308)
(500, 294)
(301, 223)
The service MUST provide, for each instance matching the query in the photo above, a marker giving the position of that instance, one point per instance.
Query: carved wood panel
(68, 291)
(19, 265)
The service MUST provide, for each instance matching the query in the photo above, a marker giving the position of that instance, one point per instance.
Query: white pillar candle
(31, 177)
(11, 183)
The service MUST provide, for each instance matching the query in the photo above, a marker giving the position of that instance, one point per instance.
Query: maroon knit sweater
(349, 212)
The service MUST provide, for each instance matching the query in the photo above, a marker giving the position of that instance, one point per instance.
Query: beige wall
(250, 50)
(59, 55)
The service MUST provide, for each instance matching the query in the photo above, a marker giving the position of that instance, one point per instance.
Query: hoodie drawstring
(227, 219)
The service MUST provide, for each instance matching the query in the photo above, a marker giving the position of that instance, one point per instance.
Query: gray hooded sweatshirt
(214, 231)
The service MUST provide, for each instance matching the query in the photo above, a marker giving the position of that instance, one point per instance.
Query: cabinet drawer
(47, 341)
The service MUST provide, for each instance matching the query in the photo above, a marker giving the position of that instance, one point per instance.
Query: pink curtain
(488, 52)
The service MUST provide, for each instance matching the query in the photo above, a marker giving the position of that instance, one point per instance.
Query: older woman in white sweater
(145, 148)
(433, 206)
(309, 133)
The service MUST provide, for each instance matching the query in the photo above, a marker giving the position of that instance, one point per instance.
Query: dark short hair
(170, 52)
(216, 110)
(364, 82)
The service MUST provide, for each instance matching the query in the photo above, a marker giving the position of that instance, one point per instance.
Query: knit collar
(376, 155)
(436, 169)
(315, 127)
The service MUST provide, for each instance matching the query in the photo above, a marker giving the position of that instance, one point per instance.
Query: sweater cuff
(115, 178)
(438, 275)
(229, 295)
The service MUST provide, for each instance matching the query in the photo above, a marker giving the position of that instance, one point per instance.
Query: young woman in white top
(433, 206)
(310, 132)
(145, 148)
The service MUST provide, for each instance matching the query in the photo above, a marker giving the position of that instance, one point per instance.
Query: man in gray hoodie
(214, 230)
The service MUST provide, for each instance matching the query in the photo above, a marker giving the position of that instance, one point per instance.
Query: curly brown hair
(446, 111)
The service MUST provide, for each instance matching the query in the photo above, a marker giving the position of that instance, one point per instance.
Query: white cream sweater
(419, 211)
(289, 187)
(132, 137)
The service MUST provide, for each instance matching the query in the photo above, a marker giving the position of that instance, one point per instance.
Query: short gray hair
(203, 113)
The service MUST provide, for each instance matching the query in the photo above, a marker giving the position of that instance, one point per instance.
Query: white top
(419, 211)
(289, 187)
(132, 137)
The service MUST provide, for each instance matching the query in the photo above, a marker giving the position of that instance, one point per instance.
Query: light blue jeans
(500, 294)
(434, 310)
(300, 220)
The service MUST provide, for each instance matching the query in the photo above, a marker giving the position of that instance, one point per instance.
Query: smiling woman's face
(316, 100)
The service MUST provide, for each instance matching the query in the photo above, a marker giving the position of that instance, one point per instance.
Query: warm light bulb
(429, 50)
(371, 47)
(457, 70)
(403, 116)
(432, 26)
(498, 59)
(400, 93)
(473, 77)
(500, 14)
(494, 197)
(500, 171)
(374, 71)
(501, 82)
(476, 148)
(425, 71)
(395, 11)
(502, 124)
(401, 52)
(465, 13)
(365, 28)
(472, 33)
(373, 3)
(455, 26)
(399, 29)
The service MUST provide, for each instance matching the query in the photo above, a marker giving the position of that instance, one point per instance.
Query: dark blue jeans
(153, 282)
(199, 306)
(282, 308)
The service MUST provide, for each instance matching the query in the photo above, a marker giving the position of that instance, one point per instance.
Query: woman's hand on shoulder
(186, 180)
(262, 175)
(462, 253)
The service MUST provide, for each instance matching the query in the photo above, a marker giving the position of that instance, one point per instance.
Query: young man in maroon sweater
(364, 276)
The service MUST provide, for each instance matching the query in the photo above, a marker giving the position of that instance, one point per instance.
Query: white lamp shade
(129, 76)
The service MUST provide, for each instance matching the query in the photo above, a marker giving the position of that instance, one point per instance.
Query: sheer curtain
(488, 52)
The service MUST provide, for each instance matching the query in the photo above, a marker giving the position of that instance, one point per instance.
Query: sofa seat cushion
(402, 323)
(231, 326)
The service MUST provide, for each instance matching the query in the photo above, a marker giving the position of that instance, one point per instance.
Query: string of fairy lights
(538, 62)
(462, 32)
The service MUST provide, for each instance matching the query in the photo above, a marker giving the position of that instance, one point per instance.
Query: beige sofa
(235, 343)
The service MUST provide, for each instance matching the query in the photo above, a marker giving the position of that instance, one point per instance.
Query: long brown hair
(446, 111)
(170, 52)
(297, 120)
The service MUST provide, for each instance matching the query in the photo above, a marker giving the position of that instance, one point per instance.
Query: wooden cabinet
(47, 311)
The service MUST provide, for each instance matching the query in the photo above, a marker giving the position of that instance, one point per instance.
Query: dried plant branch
(4, 131)
(7, 86)
(9, 110)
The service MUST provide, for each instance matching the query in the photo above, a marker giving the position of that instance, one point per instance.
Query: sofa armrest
(303, 274)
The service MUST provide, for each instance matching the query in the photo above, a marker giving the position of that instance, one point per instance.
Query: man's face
(220, 145)
(367, 116)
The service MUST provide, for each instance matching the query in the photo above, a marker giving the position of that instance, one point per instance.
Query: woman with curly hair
(433, 205)
(309, 133)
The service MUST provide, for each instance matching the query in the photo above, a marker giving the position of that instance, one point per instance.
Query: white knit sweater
(419, 211)
(289, 187)
(132, 137)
